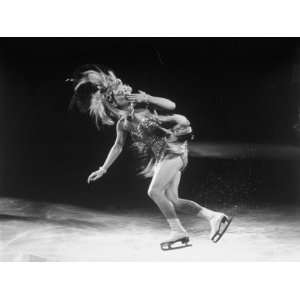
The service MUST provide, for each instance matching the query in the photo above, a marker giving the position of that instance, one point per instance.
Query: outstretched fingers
(94, 176)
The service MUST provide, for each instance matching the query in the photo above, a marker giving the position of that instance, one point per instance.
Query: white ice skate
(219, 224)
(178, 239)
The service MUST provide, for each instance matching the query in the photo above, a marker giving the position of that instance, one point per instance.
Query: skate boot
(219, 224)
(176, 240)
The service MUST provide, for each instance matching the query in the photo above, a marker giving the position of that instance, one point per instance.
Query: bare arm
(159, 102)
(117, 148)
(113, 154)
(175, 118)
(181, 124)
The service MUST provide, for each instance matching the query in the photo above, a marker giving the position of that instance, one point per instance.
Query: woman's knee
(155, 192)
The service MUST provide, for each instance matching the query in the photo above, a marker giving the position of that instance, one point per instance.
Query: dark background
(232, 90)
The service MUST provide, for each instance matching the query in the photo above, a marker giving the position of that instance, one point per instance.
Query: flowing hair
(93, 93)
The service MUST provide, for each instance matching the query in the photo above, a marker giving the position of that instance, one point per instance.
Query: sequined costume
(154, 143)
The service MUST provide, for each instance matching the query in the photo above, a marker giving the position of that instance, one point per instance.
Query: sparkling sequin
(152, 143)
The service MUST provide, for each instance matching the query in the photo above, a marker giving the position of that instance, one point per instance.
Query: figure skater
(161, 140)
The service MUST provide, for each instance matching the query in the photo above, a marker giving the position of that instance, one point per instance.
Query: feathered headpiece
(94, 91)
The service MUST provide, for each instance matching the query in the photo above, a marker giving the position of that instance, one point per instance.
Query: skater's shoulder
(121, 124)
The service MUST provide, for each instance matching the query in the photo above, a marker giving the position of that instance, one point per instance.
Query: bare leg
(184, 205)
(162, 177)
(191, 207)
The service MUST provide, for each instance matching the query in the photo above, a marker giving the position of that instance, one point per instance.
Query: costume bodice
(147, 134)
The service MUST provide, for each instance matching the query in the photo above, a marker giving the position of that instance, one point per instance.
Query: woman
(161, 139)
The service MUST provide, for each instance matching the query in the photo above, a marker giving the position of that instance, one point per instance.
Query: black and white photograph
(150, 149)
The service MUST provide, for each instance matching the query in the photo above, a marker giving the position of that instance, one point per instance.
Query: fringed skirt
(159, 151)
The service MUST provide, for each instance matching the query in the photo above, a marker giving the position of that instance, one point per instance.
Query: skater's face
(120, 96)
(121, 100)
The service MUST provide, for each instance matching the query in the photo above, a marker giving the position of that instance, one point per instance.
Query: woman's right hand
(96, 175)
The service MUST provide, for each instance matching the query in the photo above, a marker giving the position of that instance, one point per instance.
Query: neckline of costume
(140, 116)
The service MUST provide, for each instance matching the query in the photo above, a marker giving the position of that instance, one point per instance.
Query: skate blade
(166, 246)
(220, 232)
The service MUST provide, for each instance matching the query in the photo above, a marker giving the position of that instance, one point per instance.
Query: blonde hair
(97, 110)
(102, 87)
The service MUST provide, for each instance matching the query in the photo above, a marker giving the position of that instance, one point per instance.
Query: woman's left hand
(141, 97)
(168, 132)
